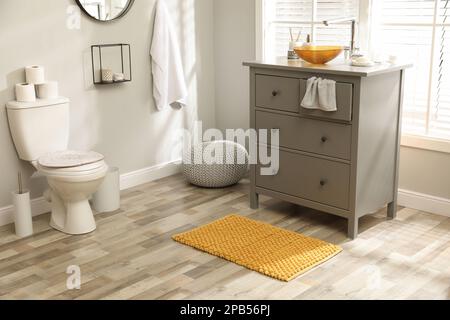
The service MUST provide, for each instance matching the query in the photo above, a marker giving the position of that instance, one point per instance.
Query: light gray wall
(234, 38)
(426, 172)
(421, 171)
(119, 121)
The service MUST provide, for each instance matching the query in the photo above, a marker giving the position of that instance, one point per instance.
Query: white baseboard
(136, 178)
(128, 180)
(38, 206)
(424, 202)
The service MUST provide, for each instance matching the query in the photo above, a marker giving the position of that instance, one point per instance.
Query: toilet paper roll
(47, 90)
(35, 74)
(25, 92)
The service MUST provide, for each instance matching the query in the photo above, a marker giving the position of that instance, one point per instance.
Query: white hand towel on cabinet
(320, 95)
(310, 100)
(327, 95)
(169, 83)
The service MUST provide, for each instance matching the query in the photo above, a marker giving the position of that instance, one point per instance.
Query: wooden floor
(132, 256)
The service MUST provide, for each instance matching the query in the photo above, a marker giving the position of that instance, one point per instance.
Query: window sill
(426, 143)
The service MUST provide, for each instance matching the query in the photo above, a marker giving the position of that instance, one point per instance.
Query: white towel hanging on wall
(169, 84)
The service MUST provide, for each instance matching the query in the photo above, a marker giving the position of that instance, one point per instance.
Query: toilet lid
(69, 159)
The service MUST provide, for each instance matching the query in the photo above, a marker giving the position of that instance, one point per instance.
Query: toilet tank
(39, 127)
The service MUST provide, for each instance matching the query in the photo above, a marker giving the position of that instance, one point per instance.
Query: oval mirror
(105, 10)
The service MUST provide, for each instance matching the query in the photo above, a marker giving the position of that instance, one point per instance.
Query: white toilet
(40, 131)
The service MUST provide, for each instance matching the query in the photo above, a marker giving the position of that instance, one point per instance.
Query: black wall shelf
(126, 70)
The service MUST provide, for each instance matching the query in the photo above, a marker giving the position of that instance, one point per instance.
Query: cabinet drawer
(325, 138)
(344, 99)
(277, 93)
(310, 178)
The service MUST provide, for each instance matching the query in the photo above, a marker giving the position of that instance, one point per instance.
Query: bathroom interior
(225, 150)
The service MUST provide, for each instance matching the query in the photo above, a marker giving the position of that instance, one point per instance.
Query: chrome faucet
(352, 49)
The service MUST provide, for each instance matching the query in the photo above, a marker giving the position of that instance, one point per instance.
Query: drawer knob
(274, 93)
(323, 182)
(324, 139)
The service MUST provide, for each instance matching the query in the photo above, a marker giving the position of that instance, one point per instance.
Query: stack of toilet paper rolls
(36, 86)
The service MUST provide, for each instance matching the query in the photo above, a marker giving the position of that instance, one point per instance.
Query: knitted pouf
(215, 164)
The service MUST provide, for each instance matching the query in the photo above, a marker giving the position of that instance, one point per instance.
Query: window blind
(440, 104)
(307, 16)
(419, 30)
(408, 11)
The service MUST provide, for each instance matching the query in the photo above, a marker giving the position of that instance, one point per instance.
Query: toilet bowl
(73, 177)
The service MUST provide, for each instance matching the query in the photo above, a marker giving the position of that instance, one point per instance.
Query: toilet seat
(81, 170)
(69, 159)
(72, 165)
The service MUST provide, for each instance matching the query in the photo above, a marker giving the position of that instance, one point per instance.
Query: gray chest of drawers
(344, 162)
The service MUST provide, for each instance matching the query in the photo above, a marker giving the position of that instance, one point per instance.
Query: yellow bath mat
(275, 252)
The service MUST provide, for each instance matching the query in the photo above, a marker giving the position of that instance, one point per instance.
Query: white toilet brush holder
(107, 198)
(23, 219)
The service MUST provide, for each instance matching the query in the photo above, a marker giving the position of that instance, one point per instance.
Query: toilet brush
(22, 210)
(19, 177)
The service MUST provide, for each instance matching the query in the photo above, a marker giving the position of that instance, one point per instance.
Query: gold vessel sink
(318, 54)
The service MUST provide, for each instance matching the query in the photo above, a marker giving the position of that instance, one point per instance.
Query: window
(419, 30)
(415, 30)
(306, 16)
